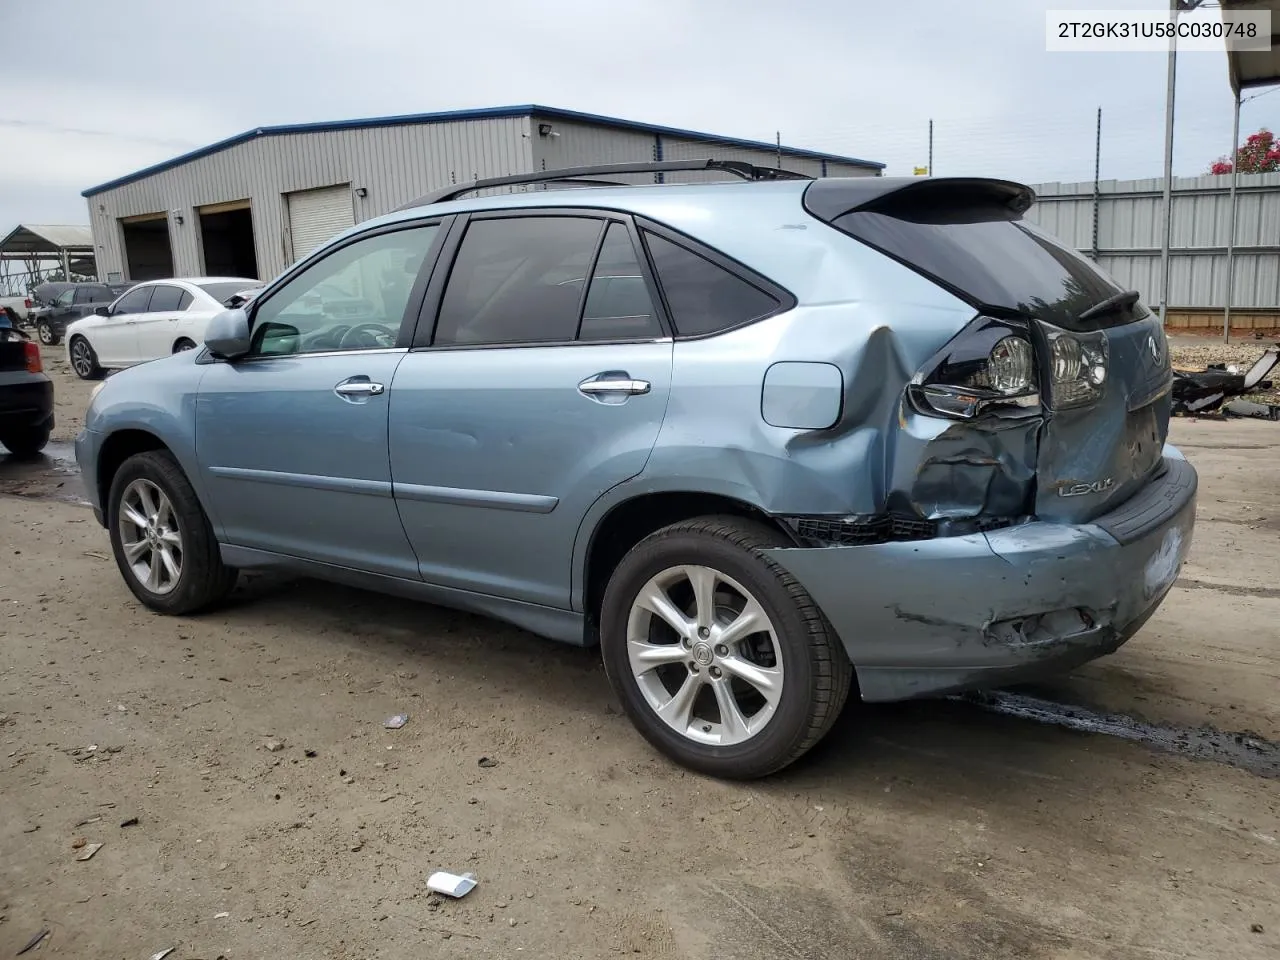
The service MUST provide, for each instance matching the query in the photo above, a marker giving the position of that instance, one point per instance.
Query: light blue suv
(761, 440)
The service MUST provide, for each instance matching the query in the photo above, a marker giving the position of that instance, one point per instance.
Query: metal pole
(66, 266)
(1231, 233)
(931, 148)
(1097, 173)
(1171, 84)
(778, 135)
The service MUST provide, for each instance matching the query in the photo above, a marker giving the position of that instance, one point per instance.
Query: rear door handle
(355, 389)
(614, 383)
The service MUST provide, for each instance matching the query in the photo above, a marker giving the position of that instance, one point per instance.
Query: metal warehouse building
(255, 203)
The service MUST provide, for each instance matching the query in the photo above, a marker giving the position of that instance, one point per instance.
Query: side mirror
(227, 335)
(102, 311)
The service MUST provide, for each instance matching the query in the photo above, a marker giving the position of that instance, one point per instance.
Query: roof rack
(584, 176)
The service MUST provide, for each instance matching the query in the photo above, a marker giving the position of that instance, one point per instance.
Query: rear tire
(162, 539)
(26, 441)
(788, 663)
(182, 344)
(84, 360)
(44, 332)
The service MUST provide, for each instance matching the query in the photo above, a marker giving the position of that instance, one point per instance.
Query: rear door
(1096, 447)
(534, 390)
(156, 330)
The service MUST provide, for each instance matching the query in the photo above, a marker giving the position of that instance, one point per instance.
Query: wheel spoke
(751, 620)
(153, 573)
(133, 516)
(170, 564)
(146, 501)
(133, 551)
(703, 581)
(172, 538)
(647, 656)
(164, 512)
(732, 721)
(677, 710)
(767, 680)
(655, 600)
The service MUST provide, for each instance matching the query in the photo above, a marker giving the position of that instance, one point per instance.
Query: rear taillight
(989, 367)
(1077, 367)
(27, 303)
(32, 354)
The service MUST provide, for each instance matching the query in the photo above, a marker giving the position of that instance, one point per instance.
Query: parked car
(153, 319)
(61, 304)
(874, 429)
(26, 394)
(22, 306)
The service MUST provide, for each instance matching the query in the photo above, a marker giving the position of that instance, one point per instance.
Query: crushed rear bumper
(939, 616)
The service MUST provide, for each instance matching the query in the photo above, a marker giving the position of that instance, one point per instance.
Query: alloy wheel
(45, 333)
(705, 655)
(82, 358)
(150, 537)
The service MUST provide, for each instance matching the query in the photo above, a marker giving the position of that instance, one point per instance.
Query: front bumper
(87, 444)
(959, 613)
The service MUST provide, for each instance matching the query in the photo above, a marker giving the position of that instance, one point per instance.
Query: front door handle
(614, 383)
(356, 389)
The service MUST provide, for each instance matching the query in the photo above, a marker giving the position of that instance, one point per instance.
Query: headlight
(1077, 366)
(990, 365)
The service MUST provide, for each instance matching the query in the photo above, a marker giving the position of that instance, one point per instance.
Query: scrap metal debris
(396, 722)
(1205, 391)
(89, 850)
(161, 954)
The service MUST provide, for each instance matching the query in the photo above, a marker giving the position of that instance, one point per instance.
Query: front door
(544, 385)
(292, 438)
(115, 336)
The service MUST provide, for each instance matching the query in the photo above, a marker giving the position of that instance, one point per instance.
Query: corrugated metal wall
(1131, 226)
(394, 164)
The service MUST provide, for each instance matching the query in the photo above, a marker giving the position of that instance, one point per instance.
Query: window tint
(353, 299)
(704, 298)
(985, 252)
(517, 280)
(90, 294)
(185, 301)
(66, 297)
(135, 301)
(165, 298)
(618, 303)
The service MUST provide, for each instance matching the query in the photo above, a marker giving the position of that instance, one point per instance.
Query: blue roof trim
(486, 113)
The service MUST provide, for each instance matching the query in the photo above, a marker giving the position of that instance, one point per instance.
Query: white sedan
(151, 320)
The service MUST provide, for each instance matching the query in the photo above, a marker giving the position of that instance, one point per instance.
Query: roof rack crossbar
(583, 175)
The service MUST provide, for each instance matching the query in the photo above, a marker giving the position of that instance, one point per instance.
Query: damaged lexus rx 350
(764, 441)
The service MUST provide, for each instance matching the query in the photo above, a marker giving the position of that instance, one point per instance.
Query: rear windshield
(224, 291)
(987, 255)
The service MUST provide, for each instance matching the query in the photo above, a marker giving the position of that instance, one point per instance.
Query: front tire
(26, 441)
(45, 334)
(161, 537)
(720, 657)
(84, 361)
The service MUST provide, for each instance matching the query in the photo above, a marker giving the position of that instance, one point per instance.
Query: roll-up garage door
(318, 215)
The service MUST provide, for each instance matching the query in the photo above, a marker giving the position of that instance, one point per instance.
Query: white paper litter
(451, 884)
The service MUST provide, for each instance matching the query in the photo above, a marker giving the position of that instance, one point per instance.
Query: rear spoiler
(831, 198)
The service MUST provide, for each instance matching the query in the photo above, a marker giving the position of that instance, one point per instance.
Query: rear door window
(703, 297)
(618, 303)
(517, 280)
(165, 299)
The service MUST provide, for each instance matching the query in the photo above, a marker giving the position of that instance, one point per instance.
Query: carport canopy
(70, 244)
(1261, 68)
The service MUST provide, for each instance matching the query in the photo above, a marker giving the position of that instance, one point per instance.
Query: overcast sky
(104, 88)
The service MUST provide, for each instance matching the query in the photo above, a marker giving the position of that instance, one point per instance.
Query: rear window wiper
(1119, 301)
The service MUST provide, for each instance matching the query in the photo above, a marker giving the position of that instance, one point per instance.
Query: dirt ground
(918, 831)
